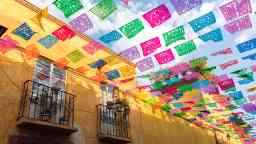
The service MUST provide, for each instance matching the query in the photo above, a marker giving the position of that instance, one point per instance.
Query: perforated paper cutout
(239, 25)
(111, 37)
(157, 16)
(164, 57)
(130, 53)
(64, 33)
(104, 8)
(203, 21)
(174, 35)
(48, 41)
(145, 64)
(24, 31)
(185, 48)
(215, 35)
(75, 56)
(150, 46)
(132, 28)
(183, 6)
(68, 7)
(82, 23)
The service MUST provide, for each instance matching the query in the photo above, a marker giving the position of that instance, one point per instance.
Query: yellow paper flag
(37, 19)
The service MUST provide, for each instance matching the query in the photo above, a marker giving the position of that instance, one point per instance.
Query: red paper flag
(64, 33)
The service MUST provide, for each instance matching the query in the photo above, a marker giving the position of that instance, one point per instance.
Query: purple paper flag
(130, 53)
(235, 9)
(183, 6)
(82, 23)
(239, 25)
(145, 64)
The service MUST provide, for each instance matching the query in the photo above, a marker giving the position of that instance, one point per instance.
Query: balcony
(113, 123)
(46, 109)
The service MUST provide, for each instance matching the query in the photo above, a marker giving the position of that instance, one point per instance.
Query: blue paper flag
(99, 63)
(245, 81)
(200, 84)
(48, 41)
(236, 95)
(24, 31)
(114, 74)
(203, 21)
(172, 81)
(251, 57)
(110, 37)
(246, 46)
(215, 35)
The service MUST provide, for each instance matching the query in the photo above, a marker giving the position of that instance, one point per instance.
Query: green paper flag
(208, 70)
(196, 62)
(174, 35)
(132, 28)
(104, 9)
(180, 114)
(151, 101)
(166, 107)
(185, 48)
(68, 7)
(158, 85)
(212, 105)
(75, 56)
(185, 88)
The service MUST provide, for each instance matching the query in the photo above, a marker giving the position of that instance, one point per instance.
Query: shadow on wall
(148, 126)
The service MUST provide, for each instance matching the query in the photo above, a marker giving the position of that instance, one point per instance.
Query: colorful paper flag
(2, 30)
(174, 35)
(247, 45)
(81, 69)
(226, 84)
(104, 8)
(222, 52)
(198, 61)
(236, 95)
(251, 57)
(157, 16)
(62, 62)
(31, 52)
(92, 47)
(127, 71)
(75, 56)
(111, 37)
(24, 31)
(183, 6)
(112, 60)
(239, 25)
(68, 7)
(114, 74)
(253, 67)
(185, 48)
(82, 23)
(37, 19)
(203, 21)
(7, 43)
(64, 33)
(150, 46)
(164, 56)
(130, 53)
(132, 28)
(228, 64)
(235, 9)
(48, 41)
(98, 64)
(215, 35)
(145, 64)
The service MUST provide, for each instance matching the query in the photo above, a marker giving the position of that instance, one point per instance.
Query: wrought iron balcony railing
(113, 123)
(46, 105)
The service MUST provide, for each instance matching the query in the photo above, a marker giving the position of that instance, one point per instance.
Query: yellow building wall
(147, 126)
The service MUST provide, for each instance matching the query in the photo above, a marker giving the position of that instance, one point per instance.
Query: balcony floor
(45, 126)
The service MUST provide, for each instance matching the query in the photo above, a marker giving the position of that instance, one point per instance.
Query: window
(109, 93)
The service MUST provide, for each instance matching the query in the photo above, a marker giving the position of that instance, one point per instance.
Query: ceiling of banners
(36, 35)
(195, 57)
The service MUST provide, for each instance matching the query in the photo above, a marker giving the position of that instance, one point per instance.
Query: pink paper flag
(228, 64)
(220, 78)
(7, 43)
(239, 25)
(64, 33)
(191, 76)
(157, 16)
(150, 46)
(92, 47)
(235, 9)
(226, 84)
(253, 68)
(252, 98)
(145, 64)
(164, 57)
(223, 52)
(179, 68)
